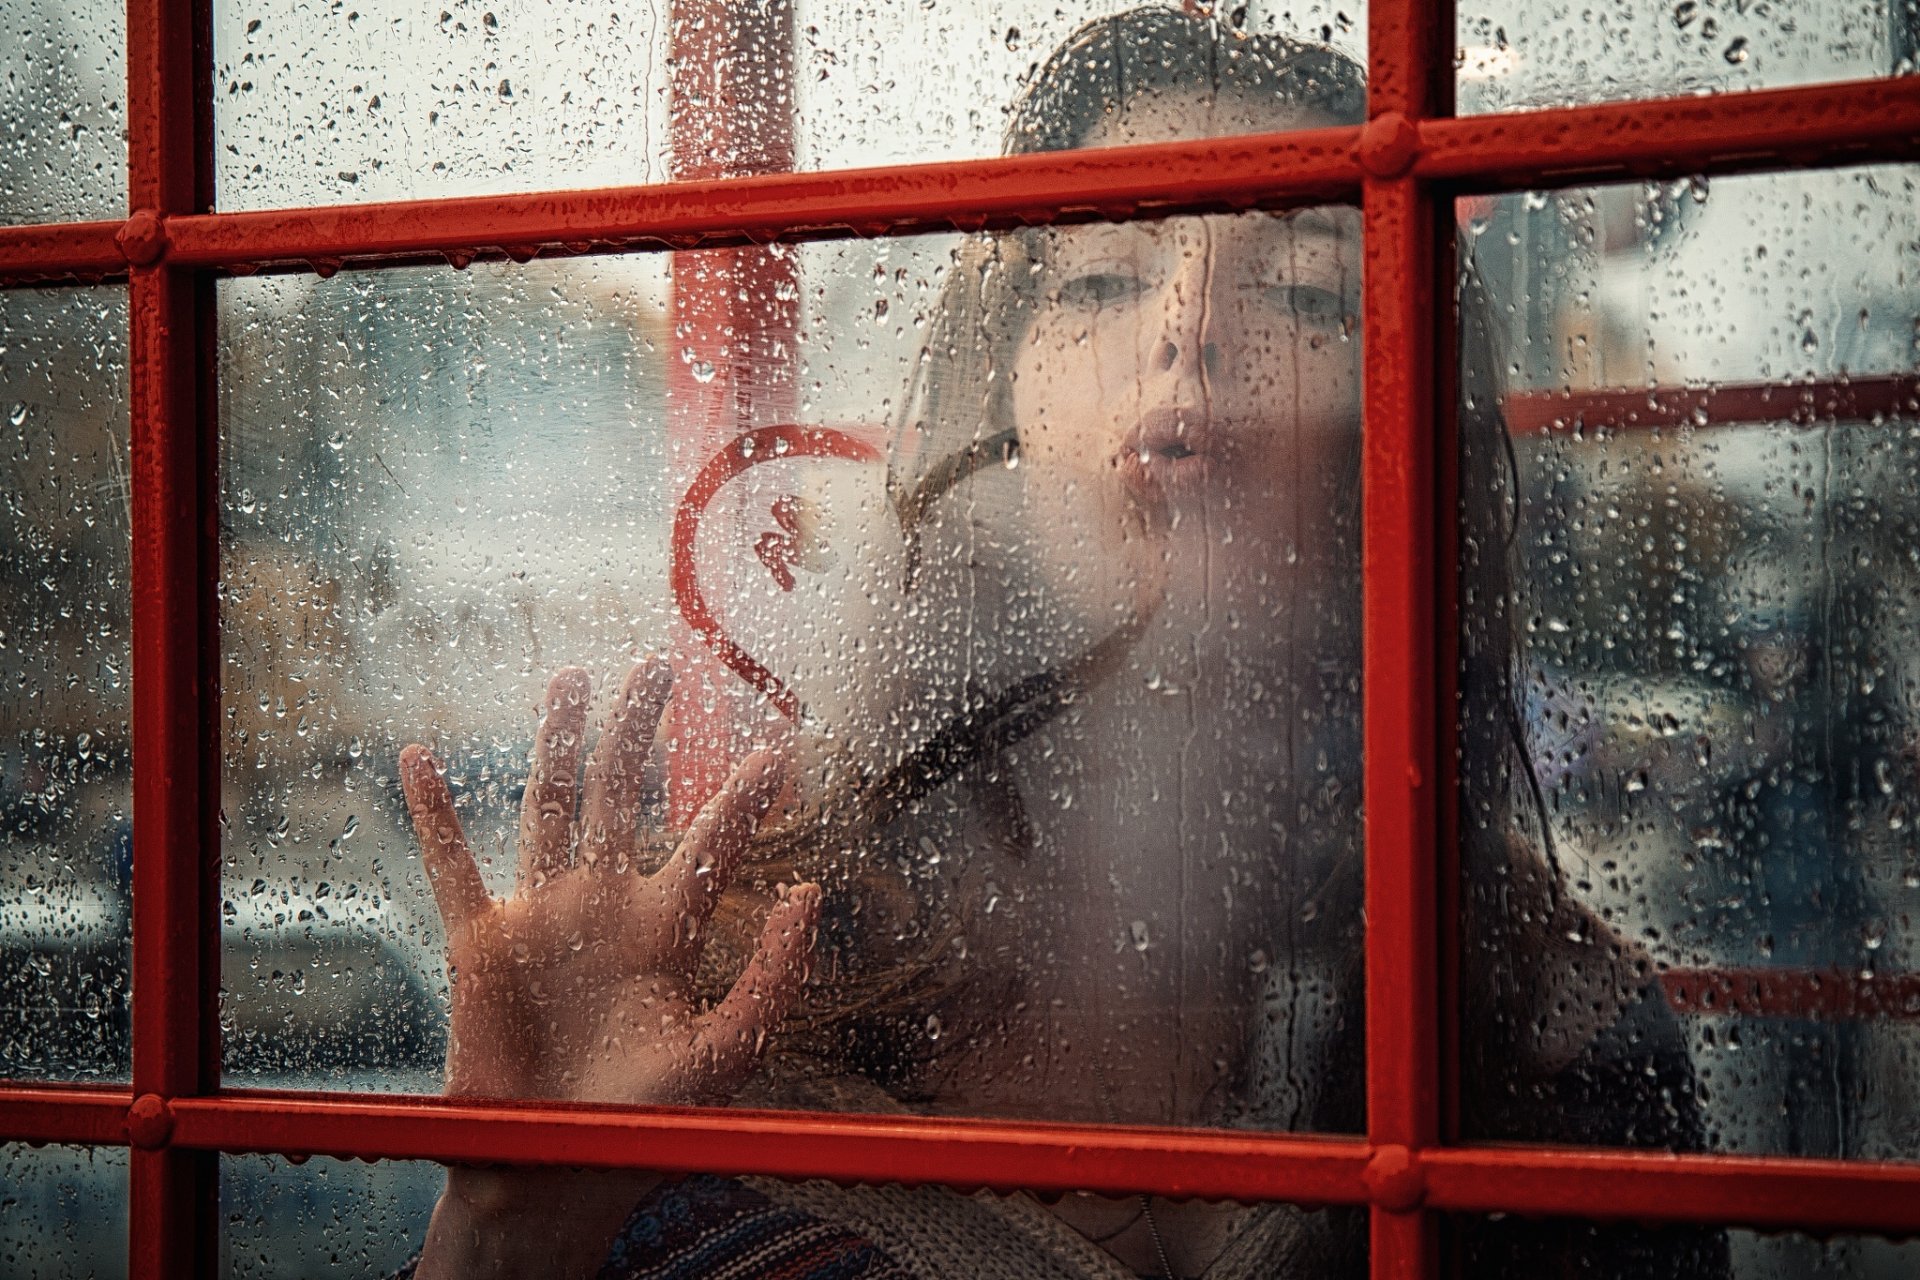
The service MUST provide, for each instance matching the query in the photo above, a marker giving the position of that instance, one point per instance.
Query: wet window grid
(1406, 165)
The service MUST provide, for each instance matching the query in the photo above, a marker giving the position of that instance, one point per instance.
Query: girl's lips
(1170, 453)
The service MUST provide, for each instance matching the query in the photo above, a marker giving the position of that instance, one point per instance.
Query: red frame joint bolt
(1388, 145)
(1395, 1180)
(142, 238)
(149, 1122)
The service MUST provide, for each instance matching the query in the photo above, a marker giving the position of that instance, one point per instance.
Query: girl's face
(1187, 391)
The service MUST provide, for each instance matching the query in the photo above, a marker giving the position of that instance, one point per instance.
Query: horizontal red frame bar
(61, 251)
(1824, 125)
(908, 1149)
(1804, 403)
(1757, 1191)
(1772, 1192)
(64, 1113)
(1112, 183)
(1852, 122)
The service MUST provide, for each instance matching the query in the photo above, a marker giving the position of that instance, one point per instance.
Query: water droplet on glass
(1138, 931)
(1736, 53)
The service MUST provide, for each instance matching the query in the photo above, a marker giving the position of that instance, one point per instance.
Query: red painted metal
(913, 1149)
(61, 252)
(1802, 403)
(733, 319)
(1820, 125)
(172, 1208)
(1406, 243)
(33, 1112)
(1828, 995)
(763, 444)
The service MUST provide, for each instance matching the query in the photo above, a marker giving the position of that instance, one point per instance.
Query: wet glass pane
(326, 105)
(63, 1212)
(282, 1220)
(1515, 54)
(63, 86)
(66, 788)
(1049, 615)
(1690, 837)
(326, 1217)
(1508, 1248)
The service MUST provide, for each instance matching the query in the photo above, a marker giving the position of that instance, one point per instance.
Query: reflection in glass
(315, 105)
(1712, 594)
(321, 1217)
(1513, 54)
(66, 793)
(65, 1212)
(1516, 1248)
(63, 83)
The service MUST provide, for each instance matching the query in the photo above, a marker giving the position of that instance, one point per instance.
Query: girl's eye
(1310, 302)
(1102, 288)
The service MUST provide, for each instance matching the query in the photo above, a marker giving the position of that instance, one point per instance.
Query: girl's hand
(580, 985)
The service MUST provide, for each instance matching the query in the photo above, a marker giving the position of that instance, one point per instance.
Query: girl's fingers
(546, 811)
(610, 801)
(731, 1035)
(701, 867)
(458, 890)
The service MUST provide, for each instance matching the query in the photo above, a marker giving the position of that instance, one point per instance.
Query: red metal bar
(1314, 165)
(1822, 126)
(172, 1209)
(962, 1153)
(734, 316)
(62, 251)
(1409, 44)
(1803, 403)
(1757, 1191)
(33, 1112)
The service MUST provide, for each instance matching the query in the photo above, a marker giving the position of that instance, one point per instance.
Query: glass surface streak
(63, 86)
(1514, 55)
(322, 105)
(63, 1212)
(66, 788)
(1709, 597)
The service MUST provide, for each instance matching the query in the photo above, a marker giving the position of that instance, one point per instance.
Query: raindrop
(1138, 930)
(1736, 53)
(18, 414)
(703, 371)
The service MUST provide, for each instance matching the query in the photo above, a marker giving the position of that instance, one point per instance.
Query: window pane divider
(1829, 125)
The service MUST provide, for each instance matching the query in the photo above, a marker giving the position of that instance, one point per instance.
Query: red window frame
(1405, 166)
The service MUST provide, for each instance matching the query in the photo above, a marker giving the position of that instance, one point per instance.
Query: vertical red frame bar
(172, 1209)
(1407, 247)
(732, 321)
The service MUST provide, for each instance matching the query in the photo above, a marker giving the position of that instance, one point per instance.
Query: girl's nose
(1167, 355)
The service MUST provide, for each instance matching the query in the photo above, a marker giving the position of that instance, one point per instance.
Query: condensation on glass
(1519, 54)
(1699, 568)
(1060, 580)
(63, 1212)
(320, 105)
(66, 793)
(282, 1220)
(1513, 1248)
(63, 88)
